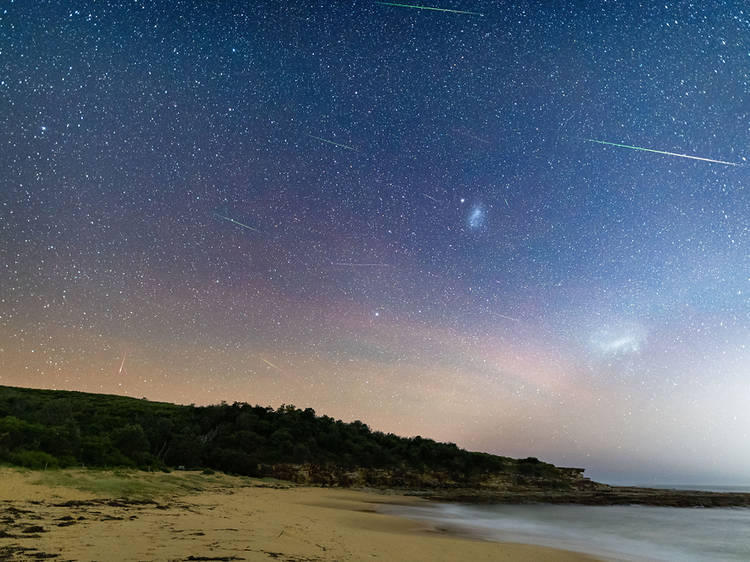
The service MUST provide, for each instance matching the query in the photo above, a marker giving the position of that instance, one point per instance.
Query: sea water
(624, 532)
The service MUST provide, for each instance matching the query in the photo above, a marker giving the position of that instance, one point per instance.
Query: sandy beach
(129, 515)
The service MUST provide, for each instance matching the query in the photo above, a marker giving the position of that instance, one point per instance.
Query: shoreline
(130, 515)
(601, 494)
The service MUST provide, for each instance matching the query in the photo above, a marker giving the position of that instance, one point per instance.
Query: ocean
(627, 533)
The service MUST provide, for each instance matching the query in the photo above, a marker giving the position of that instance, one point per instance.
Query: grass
(135, 484)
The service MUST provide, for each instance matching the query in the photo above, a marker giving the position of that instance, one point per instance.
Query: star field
(393, 215)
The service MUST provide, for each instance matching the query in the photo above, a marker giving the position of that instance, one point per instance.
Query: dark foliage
(58, 428)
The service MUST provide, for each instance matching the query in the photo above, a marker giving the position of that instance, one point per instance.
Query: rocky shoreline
(602, 495)
(545, 484)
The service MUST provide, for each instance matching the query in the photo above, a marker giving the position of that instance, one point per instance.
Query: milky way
(388, 214)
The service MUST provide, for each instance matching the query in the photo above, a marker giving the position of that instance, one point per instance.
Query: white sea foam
(611, 532)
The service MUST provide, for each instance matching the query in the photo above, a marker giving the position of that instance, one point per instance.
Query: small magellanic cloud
(476, 217)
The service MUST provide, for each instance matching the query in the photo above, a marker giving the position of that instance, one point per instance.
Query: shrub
(34, 459)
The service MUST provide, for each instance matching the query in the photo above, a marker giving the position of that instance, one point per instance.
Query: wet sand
(104, 515)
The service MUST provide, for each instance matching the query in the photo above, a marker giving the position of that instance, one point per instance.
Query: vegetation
(135, 484)
(46, 428)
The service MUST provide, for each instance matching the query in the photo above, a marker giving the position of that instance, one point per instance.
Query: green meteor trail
(238, 223)
(333, 143)
(663, 152)
(429, 8)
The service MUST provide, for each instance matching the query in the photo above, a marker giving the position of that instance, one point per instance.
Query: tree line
(50, 428)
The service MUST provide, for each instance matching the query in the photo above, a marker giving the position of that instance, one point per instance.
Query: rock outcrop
(516, 484)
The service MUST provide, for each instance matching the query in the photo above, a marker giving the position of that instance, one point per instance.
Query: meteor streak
(431, 197)
(362, 264)
(508, 318)
(238, 223)
(429, 8)
(664, 152)
(333, 143)
(469, 135)
(122, 364)
(269, 363)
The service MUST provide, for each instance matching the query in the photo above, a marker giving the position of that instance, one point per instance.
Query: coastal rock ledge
(528, 481)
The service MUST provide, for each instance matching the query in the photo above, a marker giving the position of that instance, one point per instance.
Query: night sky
(391, 214)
